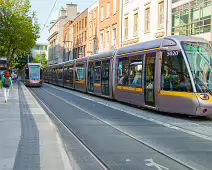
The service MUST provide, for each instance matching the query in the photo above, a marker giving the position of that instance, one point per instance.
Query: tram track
(181, 122)
(101, 162)
(58, 118)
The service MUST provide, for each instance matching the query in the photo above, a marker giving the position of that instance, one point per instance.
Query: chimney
(63, 12)
(71, 10)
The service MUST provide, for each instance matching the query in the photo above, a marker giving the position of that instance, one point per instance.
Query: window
(82, 37)
(90, 16)
(126, 1)
(126, 28)
(90, 31)
(102, 40)
(114, 6)
(123, 71)
(161, 15)
(130, 71)
(77, 27)
(174, 73)
(136, 24)
(102, 13)
(94, 29)
(147, 20)
(97, 72)
(90, 47)
(108, 37)
(85, 21)
(114, 36)
(94, 14)
(80, 72)
(108, 10)
(82, 23)
(85, 35)
(136, 70)
(60, 73)
(192, 18)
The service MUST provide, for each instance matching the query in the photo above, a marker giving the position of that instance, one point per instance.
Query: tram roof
(140, 46)
(102, 55)
(180, 38)
(157, 43)
(31, 64)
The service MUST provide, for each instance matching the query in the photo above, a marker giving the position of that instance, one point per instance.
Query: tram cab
(186, 76)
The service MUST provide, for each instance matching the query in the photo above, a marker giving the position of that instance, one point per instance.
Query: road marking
(140, 116)
(128, 160)
(120, 130)
(150, 162)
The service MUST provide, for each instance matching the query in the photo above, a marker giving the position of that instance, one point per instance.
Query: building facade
(40, 48)
(145, 20)
(192, 18)
(93, 29)
(56, 38)
(68, 41)
(80, 35)
(109, 25)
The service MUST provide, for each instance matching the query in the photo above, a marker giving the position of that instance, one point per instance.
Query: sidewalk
(29, 140)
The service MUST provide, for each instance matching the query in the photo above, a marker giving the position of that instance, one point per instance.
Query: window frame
(135, 33)
(126, 29)
(161, 15)
(147, 20)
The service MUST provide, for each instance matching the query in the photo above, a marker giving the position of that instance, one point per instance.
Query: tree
(44, 59)
(18, 28)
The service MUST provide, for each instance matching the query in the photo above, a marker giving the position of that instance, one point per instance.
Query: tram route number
(172, 53)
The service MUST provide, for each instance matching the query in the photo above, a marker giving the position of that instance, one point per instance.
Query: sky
(43, 9)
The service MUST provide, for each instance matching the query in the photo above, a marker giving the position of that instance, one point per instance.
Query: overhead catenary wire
(49, 16)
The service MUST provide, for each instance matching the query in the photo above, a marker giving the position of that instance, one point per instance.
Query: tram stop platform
(29, 140)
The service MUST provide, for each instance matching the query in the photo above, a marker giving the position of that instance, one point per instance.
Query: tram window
(97, 72)
(174, 73)
(136, 67)
(123, 71)
(80, 73)
(60, 73)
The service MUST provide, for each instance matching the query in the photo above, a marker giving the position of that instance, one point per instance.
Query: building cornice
(51, 36)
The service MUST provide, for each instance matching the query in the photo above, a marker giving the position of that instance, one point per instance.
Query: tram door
(91, 76)
(105, 77)
(149, 80)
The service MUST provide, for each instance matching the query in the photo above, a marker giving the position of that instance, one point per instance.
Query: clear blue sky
(43, 8)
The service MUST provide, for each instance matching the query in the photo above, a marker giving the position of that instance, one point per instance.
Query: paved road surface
(120, 140)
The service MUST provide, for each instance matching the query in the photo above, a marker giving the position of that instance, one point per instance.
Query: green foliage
(44, 59)
(21, 60)
(18, 28)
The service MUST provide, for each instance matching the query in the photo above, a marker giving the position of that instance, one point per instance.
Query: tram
(172, 74)
(3, 65)
(32, 75)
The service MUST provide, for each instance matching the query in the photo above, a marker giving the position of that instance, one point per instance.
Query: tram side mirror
(164, 49)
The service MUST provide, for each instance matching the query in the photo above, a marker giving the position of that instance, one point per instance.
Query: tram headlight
(204, 96)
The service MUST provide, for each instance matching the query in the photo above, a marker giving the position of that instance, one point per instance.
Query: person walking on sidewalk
(6, 84)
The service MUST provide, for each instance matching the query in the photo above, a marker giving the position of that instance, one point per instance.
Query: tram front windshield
(199, 57)
(34, 72)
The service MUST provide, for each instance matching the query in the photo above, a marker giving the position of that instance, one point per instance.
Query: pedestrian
(7, 84)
